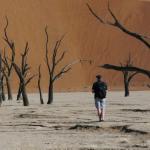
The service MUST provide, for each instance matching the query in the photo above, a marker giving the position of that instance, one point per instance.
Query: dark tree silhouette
(128, 76)
(7, 61)
(127, 79)
(53, 64)
(22, 72)
(39, 85)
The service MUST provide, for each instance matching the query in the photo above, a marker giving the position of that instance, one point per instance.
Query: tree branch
(46, 47)
(118, 68)
(118, 25)
(18, 71)
(65, 69)
(55, 52)
(11, 46)
(132, 75)
(61, 58)
(30, 78)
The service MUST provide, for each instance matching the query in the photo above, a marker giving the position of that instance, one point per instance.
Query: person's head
(98, 77)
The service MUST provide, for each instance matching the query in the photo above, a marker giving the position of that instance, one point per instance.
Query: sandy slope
(85, 37)
(71, 123)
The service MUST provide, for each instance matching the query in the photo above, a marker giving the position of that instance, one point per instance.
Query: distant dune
(85, 38)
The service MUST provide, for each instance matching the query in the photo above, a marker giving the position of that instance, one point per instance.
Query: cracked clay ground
(71, 123)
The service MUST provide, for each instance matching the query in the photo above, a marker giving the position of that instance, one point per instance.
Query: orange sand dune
(85, 37)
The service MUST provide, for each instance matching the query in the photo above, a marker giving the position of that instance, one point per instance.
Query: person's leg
(97, 105)
(98, 111)
(100, 115)
(102, 109)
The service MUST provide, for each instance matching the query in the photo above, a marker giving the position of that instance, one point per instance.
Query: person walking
(99, 89)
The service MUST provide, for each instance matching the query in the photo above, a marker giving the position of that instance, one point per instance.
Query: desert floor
(71, 123)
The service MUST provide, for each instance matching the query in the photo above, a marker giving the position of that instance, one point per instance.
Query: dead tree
(127, 79)
(128, 76)
(22, 72)
(39, 85)
(53, 63)
(7, 61)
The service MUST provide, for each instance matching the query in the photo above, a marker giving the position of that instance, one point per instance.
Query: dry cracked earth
(71, 123)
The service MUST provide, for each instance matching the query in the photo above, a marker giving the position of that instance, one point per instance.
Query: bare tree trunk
(126, 86)
(50, 93)
(9, 89)
(24, 96)
(41, 98)
(19, 92)
(126, 83)
(3, 90)
(39, 85)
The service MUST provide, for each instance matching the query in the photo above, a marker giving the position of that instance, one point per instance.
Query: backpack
(101, 91)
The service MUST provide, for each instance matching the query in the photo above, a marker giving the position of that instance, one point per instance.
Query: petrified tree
(53, 63)
(8, 61)
(22, 72)
(39, 85)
